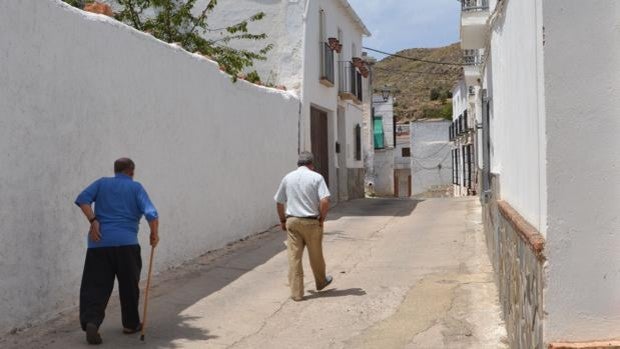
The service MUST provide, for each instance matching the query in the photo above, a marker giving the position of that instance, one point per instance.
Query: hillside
(418, 80)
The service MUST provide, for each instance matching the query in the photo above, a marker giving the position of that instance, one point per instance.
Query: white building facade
(402, 160)
(462, 135)
(332, 88)
(382, 178)
(548, 99)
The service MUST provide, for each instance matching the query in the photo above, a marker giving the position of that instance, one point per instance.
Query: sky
(401, 24)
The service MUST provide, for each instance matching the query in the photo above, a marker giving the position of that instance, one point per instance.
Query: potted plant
(365, 72)
(332, 43)
(357, 62)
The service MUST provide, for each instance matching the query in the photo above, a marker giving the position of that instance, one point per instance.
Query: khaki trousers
(304, 232)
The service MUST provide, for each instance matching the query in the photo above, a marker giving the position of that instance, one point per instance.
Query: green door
(378, 132)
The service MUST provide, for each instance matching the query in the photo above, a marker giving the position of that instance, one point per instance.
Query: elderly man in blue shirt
(113, 249)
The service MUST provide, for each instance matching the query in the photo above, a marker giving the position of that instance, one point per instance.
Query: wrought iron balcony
(349, 82)
(472, 57)
(327, 65)
(473, 60)
(474, 5)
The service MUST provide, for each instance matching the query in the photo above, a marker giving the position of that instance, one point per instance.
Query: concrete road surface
(407, 274)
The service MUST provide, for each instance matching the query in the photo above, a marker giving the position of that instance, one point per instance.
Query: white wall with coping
(79, 90)
(517, 117)
(582, 84)
(430, 155)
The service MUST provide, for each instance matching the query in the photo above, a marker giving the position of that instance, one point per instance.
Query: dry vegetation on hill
(419, 81)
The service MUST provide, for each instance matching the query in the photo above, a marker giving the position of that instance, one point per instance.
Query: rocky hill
(425, 88)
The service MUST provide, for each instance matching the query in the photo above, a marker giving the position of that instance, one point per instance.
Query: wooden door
(318, 135)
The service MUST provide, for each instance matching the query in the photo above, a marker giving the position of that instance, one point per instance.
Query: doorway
(318, 137)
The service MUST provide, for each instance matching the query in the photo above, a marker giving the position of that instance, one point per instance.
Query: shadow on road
(336, 293)
(174, 291)
(368, 207)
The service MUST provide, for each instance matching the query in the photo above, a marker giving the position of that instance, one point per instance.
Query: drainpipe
(303, 72)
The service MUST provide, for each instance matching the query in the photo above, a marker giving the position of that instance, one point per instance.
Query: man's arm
(84, 202)
(150, 213)
(154, 226)
(280, 199)
(282, 215)
(324, 201)
(93, 232)
(323, 209)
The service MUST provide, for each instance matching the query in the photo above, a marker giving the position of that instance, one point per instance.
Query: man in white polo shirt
(302, 202)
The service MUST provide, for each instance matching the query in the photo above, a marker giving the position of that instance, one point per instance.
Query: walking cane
(146, 293)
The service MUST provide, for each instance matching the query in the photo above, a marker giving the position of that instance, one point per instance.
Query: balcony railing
(327, 65)
(474, 5)
(472, 57)
(349, 82)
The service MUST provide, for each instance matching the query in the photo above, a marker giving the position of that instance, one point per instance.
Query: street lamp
(385, 93)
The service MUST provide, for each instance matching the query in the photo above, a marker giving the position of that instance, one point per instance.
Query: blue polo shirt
(120, 202)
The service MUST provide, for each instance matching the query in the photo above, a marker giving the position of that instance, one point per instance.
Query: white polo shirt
(301, 191)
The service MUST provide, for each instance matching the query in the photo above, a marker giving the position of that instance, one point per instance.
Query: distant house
(317, 49)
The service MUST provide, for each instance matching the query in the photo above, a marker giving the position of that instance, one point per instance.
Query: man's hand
(154, 238)
(154, 226)
(283, 225)
(93, 232)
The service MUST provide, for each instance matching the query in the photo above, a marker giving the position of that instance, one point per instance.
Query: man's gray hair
(305, 158)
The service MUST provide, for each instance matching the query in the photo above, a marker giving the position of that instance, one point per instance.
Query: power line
(411, 71)
(443, 78)
(414, 59)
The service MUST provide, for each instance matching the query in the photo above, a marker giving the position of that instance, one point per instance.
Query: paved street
(408, 274)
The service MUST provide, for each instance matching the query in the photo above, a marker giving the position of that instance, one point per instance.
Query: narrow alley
(408, 274)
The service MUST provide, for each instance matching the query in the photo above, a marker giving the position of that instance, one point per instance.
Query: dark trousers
(102, 265)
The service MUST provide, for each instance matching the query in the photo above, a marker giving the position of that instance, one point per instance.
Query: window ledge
(326, 82)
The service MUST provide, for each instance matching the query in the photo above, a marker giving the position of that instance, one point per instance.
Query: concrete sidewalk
(408, 274)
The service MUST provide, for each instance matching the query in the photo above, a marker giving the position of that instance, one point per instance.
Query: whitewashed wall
(517, 120)
(284, 25)
(354, 117)
(582, 84)
(430, 155)
(383, 181)
(78, 91)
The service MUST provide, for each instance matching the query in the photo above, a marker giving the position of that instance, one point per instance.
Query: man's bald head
(124, 165)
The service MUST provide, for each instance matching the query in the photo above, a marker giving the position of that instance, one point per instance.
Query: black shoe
(328, 280)
(132, 331)
(92, 334)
